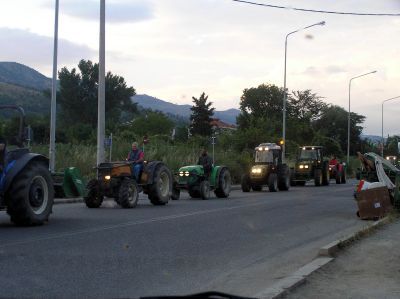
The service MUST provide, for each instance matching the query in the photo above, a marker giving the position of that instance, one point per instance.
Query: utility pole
(53, 110)
(101, 92)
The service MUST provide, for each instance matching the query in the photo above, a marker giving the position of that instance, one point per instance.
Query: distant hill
(22, 75)
(153, 103)
(372, 138)
(33, 101)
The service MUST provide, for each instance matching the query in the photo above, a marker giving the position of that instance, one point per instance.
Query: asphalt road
(239, 245)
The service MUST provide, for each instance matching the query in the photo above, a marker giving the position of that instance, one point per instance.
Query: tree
(333, 124)
(305, 105)
(152, 123)
(201, 116)
(79, 92)
(264, 101)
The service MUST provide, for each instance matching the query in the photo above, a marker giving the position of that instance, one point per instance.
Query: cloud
(116, 12)
(36, 50)
(334, 69)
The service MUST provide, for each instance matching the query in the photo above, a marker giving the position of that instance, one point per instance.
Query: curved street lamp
(383, 102)
(348, 118)
(284, 87)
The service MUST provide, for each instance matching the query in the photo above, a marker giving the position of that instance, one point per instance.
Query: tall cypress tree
(201, 116)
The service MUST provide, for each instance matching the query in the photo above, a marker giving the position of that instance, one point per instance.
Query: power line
(320, 11)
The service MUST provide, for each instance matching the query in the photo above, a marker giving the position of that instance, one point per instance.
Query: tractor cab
(310, 154)
(268, 153)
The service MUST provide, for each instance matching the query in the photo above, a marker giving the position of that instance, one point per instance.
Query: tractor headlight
(181, 173)
(301, 166)
(107, 177)
(306, 166)
(186, 173)
(256, 170)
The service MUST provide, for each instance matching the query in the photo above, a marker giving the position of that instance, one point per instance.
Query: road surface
(240, 245)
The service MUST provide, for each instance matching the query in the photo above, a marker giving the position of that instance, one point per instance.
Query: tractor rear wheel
(318, 177)
(205, 190)
(161, 189)
(93, 199)
(224, 184)
(245, 183)
(273, 182)
(128, 195)
(31, 195)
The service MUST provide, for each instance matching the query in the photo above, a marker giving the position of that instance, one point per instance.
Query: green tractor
(193, 179)
(26, 185)
(268, 170)
(310, 165)
(116, 180)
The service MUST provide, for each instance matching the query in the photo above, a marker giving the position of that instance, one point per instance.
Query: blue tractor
(26, 186)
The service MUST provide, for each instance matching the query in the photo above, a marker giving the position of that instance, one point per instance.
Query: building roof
(216, 122)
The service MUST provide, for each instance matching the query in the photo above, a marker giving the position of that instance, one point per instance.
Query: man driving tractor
(206, 162)
(137, 157)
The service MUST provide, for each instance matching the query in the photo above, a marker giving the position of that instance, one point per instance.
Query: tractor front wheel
(246, 183)
(93, 199)
(176, 192)
(128, 195)
(318, 177)
(273, 182)
(205, 190)
(31, 195)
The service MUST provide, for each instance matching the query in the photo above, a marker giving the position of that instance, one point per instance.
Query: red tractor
(337, 170)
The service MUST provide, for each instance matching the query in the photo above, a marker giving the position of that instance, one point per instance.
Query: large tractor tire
(205, 190)
(325, 175)
(161, 189)
(246, 183)
(128, 195)
(284, 178)
(318, 177)
(31, 195)
(224, 184)
(93, 199)
(273, 182)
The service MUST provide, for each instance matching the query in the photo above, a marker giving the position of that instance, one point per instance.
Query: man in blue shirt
(136, 156)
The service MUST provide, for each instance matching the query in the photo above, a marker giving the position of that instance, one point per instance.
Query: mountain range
(22, 85)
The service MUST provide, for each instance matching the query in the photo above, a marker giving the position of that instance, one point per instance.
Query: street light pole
(101, 91)
(348, 117)
(284, 89)
(383, 102)
(53, 110)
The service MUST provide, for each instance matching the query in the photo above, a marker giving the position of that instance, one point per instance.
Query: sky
(176, 49)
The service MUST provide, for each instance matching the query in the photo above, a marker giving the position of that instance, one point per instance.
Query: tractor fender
(20, 164)
(150, 170)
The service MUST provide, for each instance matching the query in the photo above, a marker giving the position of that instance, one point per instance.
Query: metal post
(348, 119)
(52, 148)
(284, 106)
(213, 149)
(101, 91)
(284, 89)
(348, 128)
(111, 145)
(382, 131)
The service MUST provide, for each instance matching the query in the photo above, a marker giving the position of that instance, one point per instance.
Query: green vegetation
(309, 121)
